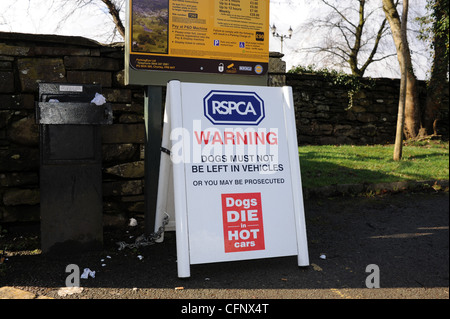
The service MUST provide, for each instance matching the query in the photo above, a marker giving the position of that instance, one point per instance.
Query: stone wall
(26, 60)
(324, 117)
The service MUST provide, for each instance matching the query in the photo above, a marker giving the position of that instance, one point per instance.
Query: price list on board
(242, 14)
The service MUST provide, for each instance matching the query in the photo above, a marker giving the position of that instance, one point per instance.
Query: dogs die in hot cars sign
(236, 174)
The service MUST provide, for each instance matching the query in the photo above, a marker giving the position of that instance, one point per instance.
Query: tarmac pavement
(404, 236)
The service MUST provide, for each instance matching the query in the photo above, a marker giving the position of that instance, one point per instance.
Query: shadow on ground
(405, 234)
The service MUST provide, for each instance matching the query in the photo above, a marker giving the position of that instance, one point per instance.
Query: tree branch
(114, 11)
(370, 59)
(339, 13)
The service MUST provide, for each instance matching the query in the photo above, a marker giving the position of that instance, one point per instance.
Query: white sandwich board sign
(232, 181)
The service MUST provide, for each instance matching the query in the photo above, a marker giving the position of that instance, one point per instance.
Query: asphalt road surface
(404, 237)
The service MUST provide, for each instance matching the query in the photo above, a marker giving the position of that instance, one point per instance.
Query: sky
(38, 16)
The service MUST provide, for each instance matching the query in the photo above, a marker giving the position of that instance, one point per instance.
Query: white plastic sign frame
(235, 188)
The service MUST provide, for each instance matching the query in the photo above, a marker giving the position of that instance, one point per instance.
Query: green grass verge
(347, 164)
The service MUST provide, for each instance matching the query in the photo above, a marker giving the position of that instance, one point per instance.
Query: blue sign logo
(233, 108)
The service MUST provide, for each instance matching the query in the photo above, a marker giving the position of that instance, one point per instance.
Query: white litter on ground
(87, 273)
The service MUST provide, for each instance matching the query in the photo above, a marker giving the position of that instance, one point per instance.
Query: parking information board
(228, 37)
(235, 172)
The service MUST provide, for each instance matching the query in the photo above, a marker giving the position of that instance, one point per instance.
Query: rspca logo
(233, 108)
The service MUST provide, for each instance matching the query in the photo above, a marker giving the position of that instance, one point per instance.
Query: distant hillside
(150, 26)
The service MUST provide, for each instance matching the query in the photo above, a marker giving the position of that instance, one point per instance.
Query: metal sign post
(153, 129)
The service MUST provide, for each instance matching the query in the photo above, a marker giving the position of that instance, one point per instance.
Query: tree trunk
(412, 104)
(398, 147)
(438, 80)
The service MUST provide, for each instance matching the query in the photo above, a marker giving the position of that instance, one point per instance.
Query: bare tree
(114, 8)
(353, 33)
(412, 104)
(68, 14)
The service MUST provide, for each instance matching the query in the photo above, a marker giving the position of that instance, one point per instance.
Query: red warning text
(235, 138)
(242, 222)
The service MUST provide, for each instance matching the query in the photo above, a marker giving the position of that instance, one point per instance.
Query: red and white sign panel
(243, 226)
(237, 185)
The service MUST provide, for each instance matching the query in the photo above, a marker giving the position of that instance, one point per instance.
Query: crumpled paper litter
(87, 273)
(98, 99)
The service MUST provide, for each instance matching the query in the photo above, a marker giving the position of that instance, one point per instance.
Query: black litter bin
(70, 167)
